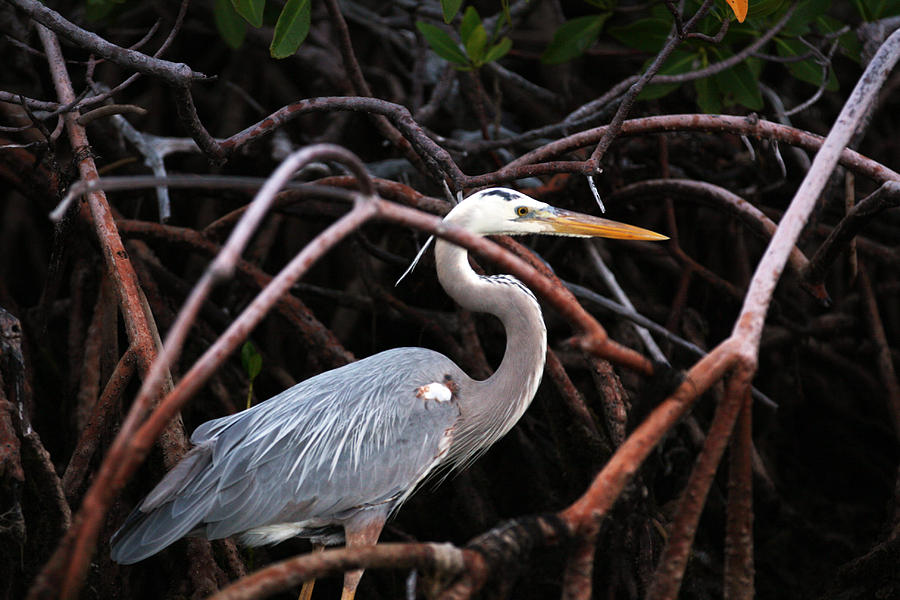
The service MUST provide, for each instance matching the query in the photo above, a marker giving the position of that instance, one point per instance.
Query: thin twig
(176, 74)
(609, 279)
(886, 196)
(616, 124)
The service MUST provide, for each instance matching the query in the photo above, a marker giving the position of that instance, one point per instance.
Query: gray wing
(346, 440)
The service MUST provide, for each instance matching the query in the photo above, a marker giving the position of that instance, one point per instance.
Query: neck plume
(490, 408)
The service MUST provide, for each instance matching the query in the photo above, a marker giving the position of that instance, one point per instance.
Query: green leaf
(475, 45)
(679, 62)
(764, 8)
(450, 8)
(442, 44)
(647, 34)
(498, 50)
(805, 70)
(807, 12)
(291, 28)
(94, 11)
(889, 8)
(573, 38)
(603, 4)
(708, 97)
(848, 41)
(251, 360)
(739, 85)
(470, 22)
(873, 11)
(230, 24)
(251, 10)
(507, 17)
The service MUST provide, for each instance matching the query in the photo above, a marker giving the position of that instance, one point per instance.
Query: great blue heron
(344, 449)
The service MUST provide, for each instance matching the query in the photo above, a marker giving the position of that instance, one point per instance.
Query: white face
(497, 211)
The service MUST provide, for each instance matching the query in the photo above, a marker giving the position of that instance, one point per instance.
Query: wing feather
(343, 441)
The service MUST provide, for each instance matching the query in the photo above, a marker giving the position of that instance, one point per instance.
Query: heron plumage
(291, 458)
(347, 447)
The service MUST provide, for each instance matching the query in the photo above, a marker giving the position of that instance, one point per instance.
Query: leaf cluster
(477, 48)
(740, 84)
(291, 25)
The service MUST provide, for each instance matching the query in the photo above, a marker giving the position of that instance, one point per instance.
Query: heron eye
(522, 211)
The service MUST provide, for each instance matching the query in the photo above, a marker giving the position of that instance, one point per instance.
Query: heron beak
(565, 222)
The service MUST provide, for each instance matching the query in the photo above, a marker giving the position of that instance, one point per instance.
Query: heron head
(502, 211)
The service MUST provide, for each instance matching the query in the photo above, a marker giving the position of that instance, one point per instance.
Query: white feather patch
(435, 391)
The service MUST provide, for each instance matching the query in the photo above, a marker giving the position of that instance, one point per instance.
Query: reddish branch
(739, 569)
(884, 356)
(10, 456)
(314, 333)
(612, 130)
(441, 559)
(361, 87)
(673, 561)
(585, 514)
(391, 190)
(887, 196)
(436, 158)
(719, 197)
(69, 563)
(578, 575)
(99, 423)
(750, 126)
(572, 398)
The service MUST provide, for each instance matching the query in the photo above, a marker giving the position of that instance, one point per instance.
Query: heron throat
(490, 408)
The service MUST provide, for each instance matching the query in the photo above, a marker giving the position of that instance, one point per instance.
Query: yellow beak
(565, 222)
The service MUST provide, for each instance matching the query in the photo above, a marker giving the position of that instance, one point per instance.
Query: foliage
(879, 9)
(574, 37)
(232, 17)
(229, 23)
(477, 49)
(291, 26)
(450, 8)
(804, 59)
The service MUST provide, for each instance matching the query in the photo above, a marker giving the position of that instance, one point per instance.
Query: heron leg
(307, 589)
(361, 530)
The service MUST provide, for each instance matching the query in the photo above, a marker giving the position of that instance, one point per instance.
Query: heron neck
(505, 395)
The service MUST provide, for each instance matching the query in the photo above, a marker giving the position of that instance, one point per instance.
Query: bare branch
(176, 74)
(749, 326)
